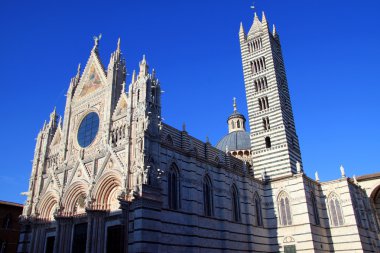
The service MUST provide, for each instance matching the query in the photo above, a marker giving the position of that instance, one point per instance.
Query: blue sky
(330, 48)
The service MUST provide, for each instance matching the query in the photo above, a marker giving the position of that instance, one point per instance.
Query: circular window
(88, 129)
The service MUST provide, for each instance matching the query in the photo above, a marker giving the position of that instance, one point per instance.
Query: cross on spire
(252, 6)
(234, 104)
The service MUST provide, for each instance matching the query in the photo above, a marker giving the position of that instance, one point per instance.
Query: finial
(252, 6)
(78, 71)
(316, 176)
(274, 30)
(123, 87)
(184, 127)
(134, 76)
(118, 44)
(153, 73)
(355, 179)
(342, 171)
(234, 104)
(298, 166)
(96, 41)
(143, 67)
(207, 139)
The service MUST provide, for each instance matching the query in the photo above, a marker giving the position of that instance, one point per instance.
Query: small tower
(236, 121)
(237, 141)
(274, 142)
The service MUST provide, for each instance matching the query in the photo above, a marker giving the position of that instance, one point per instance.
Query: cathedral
(111, 176)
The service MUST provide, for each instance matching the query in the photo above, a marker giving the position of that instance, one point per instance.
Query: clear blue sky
(330, 48)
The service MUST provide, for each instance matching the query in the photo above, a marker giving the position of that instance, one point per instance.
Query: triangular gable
(109, 163)
(79, 172)
(121, 106)
(93, 76)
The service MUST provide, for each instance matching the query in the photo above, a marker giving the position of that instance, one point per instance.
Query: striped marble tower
(274, 142)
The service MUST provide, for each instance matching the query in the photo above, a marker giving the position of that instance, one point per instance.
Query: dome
(235, 115)
(237, 140)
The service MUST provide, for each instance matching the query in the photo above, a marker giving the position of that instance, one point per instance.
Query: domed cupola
(237, 142)
(236, 121)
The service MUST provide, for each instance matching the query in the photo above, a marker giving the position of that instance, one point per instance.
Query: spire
(264, 18)
(256, 18)
(143, 67)
(241, 33)
(53, 114)
(153, 74)
(133, 76)
(256, 26)
(241, 30)
(234, 104)
(78, 72)
(118, 45)
(53, 118)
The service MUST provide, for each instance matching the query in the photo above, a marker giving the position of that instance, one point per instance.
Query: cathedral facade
(112, 177)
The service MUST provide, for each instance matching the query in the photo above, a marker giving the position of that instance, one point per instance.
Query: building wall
(10, 227)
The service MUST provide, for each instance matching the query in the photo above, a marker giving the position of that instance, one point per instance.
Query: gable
(121, 106)
(92, 82)
(93, 77)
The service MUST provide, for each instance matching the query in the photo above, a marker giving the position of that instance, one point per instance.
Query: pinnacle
(263, 19)
(241, 30)
(78, 70)
(118, 44)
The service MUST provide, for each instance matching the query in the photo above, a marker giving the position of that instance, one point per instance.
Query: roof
(237, 140)
(236, 114)
(10, 203)
(368, 177)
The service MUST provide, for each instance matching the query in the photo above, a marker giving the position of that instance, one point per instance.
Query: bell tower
(274, 142)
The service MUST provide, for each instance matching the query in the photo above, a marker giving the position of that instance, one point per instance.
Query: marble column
(62, 243)
(124, 206)
(95, 231)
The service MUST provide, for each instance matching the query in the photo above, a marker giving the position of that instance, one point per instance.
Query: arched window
(208, 204)
(268, 143)
(235, 203)
(266, 123)
(169, 140)
(173, 187)
(258, 211)
(138, 95)
(336, 215)
(232, 124)
(283, 203)
(7, 221)
(315, 209)
(238, 124)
